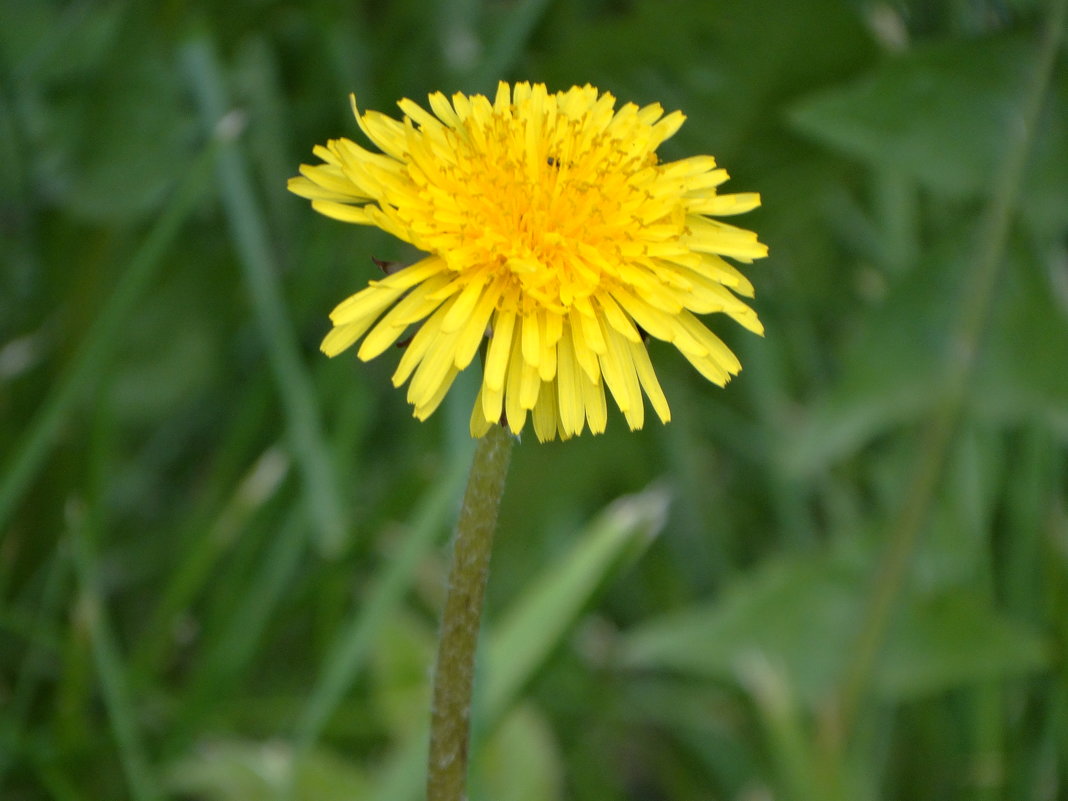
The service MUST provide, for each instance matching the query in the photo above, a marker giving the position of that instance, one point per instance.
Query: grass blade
(111, 670)
(323, 499)
(100, 343)
(354, 642)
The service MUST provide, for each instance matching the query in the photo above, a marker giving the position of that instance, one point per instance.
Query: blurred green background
(222, 555)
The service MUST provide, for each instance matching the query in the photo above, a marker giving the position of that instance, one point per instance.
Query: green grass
(222, 555)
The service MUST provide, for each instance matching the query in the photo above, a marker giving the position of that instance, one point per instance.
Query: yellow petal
(417, 349)
(474, 330)
(461, 310)
(589, 325)
(492, 402)
(415, 306)
(646, 375)
(593, 400)
(424, 410)
(529, 387)
(500, 346)
(480, 426)
(514, 410)
(547, 361)
(712, 236)
(531, 349)
(584, 354)
(569, 391)
(545, 415)
(709, 342)
(654, 321)
(343, 337)
(435, 369)
(622, 379)
(616, 317)
(724, 205)
(343, 212)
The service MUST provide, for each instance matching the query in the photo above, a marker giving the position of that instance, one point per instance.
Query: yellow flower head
(552, 232)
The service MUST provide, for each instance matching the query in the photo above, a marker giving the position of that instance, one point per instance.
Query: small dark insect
(388, 267)
(551, 161)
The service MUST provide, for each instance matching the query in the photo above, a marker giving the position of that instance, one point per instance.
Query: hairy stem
(454, 675)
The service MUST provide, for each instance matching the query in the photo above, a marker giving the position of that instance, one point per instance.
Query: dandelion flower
(554, 237)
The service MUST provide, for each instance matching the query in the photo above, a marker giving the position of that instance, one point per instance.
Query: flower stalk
(454, 673)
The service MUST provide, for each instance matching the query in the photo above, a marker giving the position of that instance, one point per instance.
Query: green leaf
(521, 761)
(117, 144)
(540, 617)
(800, 616)
(891, 370)
(399, 663)
(1022, 374)
(243, 770)
(891, 373)
(943, 114)
(797, 614)
(951, 640)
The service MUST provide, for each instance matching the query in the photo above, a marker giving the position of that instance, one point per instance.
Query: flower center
(550, 214)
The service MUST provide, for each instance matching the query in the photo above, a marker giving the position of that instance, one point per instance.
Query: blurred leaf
(121, 140)
(242, 770)
(172, 360)
(943, 114)
(799, 616)
(890, 370)
(791, 748)
(1022, 371)
(955, 639)
(399, 666)
(521, 761)
(683, 52)
(47, 42)
(537, 620)
(794, 614)
(36, 440)
(955, 550)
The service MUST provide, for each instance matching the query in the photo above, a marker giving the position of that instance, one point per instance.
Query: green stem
(450, 714)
